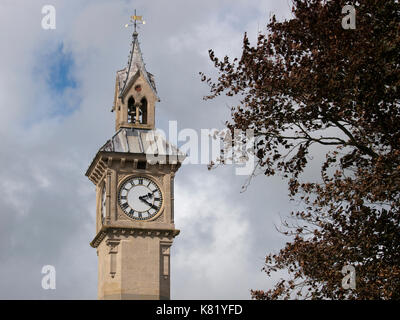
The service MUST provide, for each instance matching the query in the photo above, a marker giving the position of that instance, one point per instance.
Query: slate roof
(135, 66)
(141, 141)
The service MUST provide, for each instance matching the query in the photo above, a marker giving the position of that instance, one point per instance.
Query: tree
(309, 82)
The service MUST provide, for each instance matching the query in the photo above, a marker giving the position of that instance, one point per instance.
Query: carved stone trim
(165, 248)
(109, 162)
(108, 197)
(98, 239)
(113, 251)
(172, 195)
(114, 232)
(97, 172)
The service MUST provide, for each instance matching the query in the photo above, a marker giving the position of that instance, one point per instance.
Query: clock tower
(134, 177)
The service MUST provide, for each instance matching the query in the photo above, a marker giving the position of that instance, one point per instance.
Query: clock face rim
(144, 176)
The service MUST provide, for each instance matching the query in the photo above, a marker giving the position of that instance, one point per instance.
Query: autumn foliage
(309, 85)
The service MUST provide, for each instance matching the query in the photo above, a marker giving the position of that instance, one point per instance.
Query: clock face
(103, 203)
(140, 198)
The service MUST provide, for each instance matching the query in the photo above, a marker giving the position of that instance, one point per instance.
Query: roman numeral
(125, 205)
(123, 197)
(140, 215)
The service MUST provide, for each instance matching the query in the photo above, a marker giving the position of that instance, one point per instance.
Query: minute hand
(148, 203)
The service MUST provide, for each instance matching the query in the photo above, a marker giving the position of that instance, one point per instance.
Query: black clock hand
(145, 201)
(148, 203)
(149, 195)
(152, 206)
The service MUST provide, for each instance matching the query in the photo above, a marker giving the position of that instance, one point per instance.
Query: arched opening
(131, 110)
(143, 111)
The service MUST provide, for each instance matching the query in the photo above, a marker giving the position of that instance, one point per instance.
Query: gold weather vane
(134, 21)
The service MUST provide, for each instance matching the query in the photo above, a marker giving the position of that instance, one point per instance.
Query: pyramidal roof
(135, 66)
(148, 142)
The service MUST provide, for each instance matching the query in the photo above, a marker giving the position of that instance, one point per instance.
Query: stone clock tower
(134, 178)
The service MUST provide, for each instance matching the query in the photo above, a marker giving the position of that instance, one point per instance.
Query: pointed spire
(135, 65)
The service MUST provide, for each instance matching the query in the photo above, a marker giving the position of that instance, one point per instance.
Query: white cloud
(216, 236)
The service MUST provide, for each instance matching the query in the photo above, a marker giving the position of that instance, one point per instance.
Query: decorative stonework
(113, 251)
(165, 258)
(98, 171)
(125, 232)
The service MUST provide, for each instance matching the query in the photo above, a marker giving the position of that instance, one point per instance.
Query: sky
(56, 93)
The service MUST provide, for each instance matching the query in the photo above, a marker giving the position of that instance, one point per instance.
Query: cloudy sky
(56, 92)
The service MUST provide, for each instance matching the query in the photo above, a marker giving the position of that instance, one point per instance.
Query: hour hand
(149, 195)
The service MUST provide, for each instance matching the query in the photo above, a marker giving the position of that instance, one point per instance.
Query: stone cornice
(104, 159)
(133, 231)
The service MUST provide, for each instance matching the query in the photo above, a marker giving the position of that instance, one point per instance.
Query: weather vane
(134, 21)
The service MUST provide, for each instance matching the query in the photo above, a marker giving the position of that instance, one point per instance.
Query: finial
(134, 21)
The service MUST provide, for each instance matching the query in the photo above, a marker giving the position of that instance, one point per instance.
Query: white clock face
(140, 198)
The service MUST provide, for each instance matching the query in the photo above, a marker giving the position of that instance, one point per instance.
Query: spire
(135, 64)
